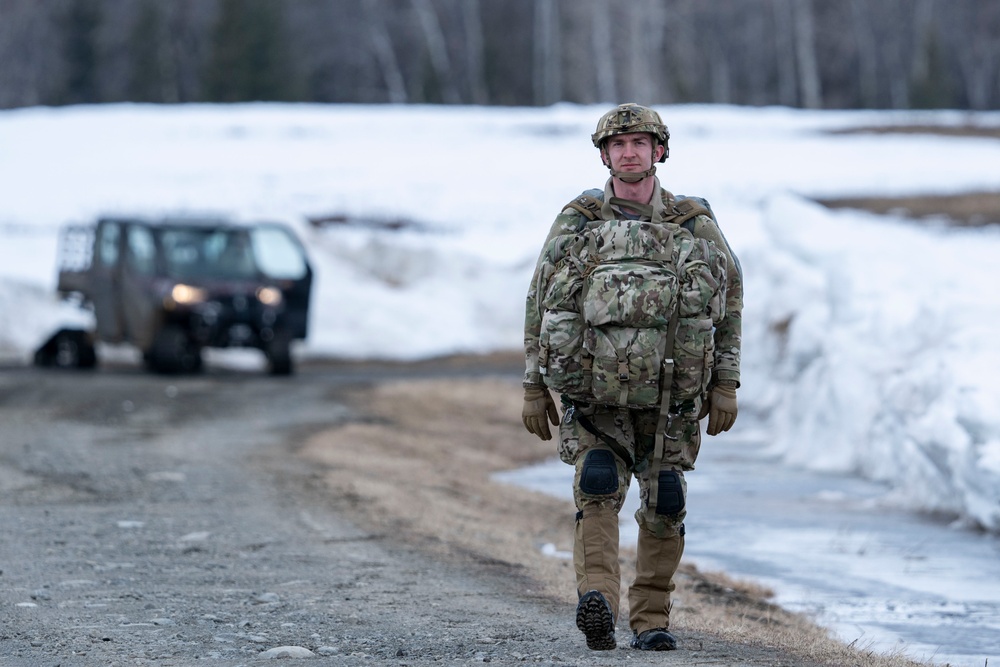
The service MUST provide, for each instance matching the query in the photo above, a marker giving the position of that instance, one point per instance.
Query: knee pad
(669, 493)
(599, 476)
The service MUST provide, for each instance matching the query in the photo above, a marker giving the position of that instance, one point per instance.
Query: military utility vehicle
(173, 287)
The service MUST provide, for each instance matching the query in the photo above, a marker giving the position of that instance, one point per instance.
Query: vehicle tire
(173, 352)
(67, 348)
(279, 354)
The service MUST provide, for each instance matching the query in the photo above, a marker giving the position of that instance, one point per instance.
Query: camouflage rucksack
(629, 314)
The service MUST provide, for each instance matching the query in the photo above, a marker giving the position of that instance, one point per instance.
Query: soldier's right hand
(539, 409)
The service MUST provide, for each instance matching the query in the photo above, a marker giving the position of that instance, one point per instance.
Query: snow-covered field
(869, 342)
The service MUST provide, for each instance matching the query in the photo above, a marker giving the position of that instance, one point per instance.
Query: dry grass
(971, 209)
(419, 466)
(970, 130)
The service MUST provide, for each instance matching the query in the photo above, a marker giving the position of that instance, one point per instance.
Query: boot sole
(595, 621)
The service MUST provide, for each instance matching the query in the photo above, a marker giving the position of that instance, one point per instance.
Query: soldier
(610, 445)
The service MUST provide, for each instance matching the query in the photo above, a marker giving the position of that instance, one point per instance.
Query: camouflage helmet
(628, 118)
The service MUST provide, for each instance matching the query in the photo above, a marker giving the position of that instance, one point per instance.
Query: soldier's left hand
(722, 408)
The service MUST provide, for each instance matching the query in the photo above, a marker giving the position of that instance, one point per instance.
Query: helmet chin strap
(631, 176)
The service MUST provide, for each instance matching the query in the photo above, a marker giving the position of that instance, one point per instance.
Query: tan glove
(538, 405)
(720, 407)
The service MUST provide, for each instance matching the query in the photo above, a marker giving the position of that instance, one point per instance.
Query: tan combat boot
(649, 596)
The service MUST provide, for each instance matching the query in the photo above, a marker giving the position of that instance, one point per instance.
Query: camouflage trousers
(635, 431)
(600, 485)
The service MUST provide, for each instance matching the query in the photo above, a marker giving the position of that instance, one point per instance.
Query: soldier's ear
(604, 157)
(658, 152)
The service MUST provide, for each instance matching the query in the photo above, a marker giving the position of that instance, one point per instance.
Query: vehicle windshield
(190, 254)
(278, 253)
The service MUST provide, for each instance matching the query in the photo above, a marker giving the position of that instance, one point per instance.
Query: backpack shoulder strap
(588, 204)
(686, 209)
(689, 208)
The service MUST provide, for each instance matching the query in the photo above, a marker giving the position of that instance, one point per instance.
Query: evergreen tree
(79, 28)
(249, 58)
(931, 87)
(147, 46)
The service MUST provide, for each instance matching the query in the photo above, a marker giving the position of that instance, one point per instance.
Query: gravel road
(174, 520)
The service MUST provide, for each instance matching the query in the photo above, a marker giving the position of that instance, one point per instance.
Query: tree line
(805, 53)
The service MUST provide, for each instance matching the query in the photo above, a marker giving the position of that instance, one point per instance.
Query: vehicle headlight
(186, 295)
(269, 296)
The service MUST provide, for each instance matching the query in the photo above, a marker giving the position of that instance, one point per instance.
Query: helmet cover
(629, 118)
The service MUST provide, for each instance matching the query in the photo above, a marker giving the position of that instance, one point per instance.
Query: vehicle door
(105, 281)
(280, 257)
(139, 299)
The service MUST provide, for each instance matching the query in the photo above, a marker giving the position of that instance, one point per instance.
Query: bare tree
(603, 54)
(384, 54)
(642, 78)
(721, 81)
(189, 22)
(784, 50)
(472, 22)
(805, 49)
(437, 48)
(979, 62)
(151, 72)
(867, 58)
(713, 45)
(923, 12)
(546, 82)
(681, 53)
(28, 61)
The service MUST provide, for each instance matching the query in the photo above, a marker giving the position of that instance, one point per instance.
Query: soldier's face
(634, 152)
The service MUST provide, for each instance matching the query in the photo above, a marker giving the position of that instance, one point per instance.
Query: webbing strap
(603, 437)
(625, 379)
(663, 421)
(688, 210)
(589, 206)
(680, 210)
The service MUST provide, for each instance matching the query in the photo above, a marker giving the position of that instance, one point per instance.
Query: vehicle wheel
(67, 348)
(173, 351)
(279, 354)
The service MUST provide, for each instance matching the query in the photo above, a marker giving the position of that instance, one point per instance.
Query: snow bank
(879, 355)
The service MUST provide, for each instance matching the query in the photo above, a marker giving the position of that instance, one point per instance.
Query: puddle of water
(830, 548)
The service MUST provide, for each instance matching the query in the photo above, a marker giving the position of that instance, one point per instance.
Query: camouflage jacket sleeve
(567, 222)
(729, 332)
